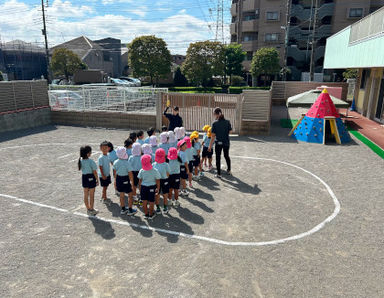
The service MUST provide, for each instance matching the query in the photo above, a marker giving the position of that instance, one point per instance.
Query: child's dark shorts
(88, 181)
(174, 181)
(183, 172)
(164, 186)
(206, 153)
(106, 182)
(135, 178)
(196, 161)
(190, 166)
(148, 193)
(123, 184)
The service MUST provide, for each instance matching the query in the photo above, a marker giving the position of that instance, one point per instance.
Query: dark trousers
(218, 149)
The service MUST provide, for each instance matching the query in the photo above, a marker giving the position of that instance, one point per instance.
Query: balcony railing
(368, 27)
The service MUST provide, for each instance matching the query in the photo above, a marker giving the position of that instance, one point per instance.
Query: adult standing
(221, 129)
(174, 119)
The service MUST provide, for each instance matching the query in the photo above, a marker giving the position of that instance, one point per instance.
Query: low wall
(24, 119)
(282, 90)
(104, 119)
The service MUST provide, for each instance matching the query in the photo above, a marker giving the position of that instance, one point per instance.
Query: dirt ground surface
(274, 229)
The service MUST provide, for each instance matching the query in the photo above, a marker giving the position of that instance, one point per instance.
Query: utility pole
(312, 66)
(44, 32)
(287, 25)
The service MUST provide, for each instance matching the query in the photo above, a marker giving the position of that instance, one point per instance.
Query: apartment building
(263, 23)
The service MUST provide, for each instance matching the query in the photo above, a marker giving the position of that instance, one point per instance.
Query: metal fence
(104, 98)
(368, 27)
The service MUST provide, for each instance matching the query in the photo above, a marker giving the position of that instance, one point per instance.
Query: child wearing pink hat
(189, 153)
(184, 170)
(122, 171)
(174, 177)
(164, 171)
(149, 184)
(135, 163)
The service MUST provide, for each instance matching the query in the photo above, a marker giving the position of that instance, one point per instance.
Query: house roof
(81, 46)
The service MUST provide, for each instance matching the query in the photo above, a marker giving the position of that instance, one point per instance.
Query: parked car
(65, 99)
(122, 83)
(136, 82)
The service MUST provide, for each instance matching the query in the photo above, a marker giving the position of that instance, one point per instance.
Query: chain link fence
(104, 98)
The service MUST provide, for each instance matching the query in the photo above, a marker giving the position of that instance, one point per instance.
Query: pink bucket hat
(153, 141)
(180, 143)
(121, 153)
(146, 162)
(188, 141)
(160, 155)
(136, 149)
(172, 153)
(147, 149)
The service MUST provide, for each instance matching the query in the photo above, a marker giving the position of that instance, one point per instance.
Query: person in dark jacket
(174, 119)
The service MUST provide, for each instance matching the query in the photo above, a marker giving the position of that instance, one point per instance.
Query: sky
(178, 22)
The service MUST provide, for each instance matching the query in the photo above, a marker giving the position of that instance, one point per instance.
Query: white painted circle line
(191, 236)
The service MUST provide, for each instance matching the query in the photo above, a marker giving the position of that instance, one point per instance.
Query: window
(249, 56)
(272, 15)
(234, 19)
(249, 17)
(356, 12)
(271, 37)
(364, 78)
(250, 37)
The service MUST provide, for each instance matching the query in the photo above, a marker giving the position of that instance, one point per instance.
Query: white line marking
(257, 140)
(214, 240)
(66, 155)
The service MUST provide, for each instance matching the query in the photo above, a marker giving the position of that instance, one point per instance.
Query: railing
(368, 27)
(104, 98)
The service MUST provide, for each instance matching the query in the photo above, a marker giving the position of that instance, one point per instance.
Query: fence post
(125, 101)
(239, 117)
(159, 115)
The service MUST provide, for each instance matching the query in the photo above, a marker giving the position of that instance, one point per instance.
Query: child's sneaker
(190, 184)
(140, 203)
(131, 211)
(176, 203)
(173, 202)
(210, 168)
(165, 210)
(153, 215)
(107, 202)
(195, 178)
(124, 210)
(146, 216)
(229, 173)
(201, 174)
(94, 211)
(90, 212)
(218, 176)
(117, 193)
(185, 192)
(158, 210)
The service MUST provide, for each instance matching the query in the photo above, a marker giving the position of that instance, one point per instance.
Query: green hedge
(232, 90)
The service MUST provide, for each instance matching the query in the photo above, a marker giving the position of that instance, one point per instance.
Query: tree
(204, 60)
(350, 73)
(179, 79)
(234, 57)
(265, 62)
(149, 56)
(1, 76)
(65, 62)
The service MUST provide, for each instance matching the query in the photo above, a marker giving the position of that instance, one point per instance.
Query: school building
(361, 46)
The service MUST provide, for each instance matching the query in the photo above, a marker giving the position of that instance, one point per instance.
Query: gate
(197, 109)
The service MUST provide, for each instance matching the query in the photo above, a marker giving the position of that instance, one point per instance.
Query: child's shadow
(200, 204)
(241, 186)
(203, 195)
(170, 227)
(209, 183)
(103, 228)
(114, 209)
(138, 224)
(190, 216)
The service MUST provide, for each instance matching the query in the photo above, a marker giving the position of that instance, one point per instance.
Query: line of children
(155, 169)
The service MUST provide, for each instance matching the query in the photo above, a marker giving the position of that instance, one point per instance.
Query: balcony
(233, 28)
(249, 5)
(249, 46)
(234, 9)
(250, 26)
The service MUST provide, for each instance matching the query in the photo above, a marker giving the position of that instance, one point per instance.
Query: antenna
(219, 33)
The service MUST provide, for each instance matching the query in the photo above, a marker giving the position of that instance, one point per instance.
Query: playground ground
(295, 220)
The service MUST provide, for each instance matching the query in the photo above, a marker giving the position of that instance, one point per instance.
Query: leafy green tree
(65, 62)
(234, 57)
(149, 56)
(350, 73)
(179, 79)
(204, 60)
(265, 62)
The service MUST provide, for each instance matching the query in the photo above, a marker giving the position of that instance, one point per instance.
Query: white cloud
(25, 23)
(140, 11)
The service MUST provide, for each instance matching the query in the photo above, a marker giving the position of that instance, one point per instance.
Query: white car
(135, 82)
(65, 99)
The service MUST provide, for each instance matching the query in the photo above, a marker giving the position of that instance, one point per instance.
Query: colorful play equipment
(321, 123)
